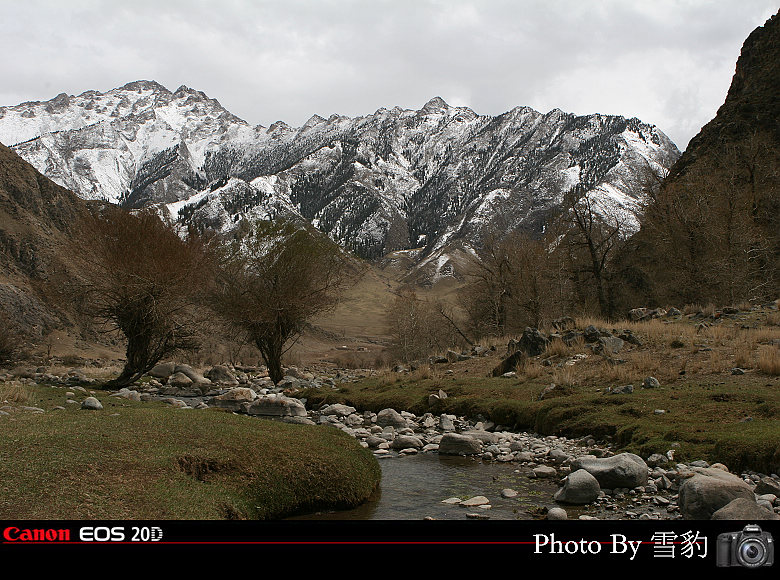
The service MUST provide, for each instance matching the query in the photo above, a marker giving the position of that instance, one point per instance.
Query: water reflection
(414, 486)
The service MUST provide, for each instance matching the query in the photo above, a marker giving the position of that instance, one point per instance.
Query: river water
(413, 487)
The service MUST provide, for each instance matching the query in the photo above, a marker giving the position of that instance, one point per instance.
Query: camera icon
(750, 548)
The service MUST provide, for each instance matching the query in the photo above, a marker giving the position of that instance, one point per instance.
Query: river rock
(390, 418)
(708, 490)
(622, 470)
(163, 370)
(455, 444)
(475, 501)
(179, 380)
(338, 409)
(579, 488)
(91, 404)
(486, 437)
(190, 373)
(276, 406)
(744, 509)
(407, 442)
(221, 375)
(234, 399)
(544, 471)
(768, 485)
(557, 513)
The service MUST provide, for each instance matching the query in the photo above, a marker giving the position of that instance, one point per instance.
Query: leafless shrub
(138, 276)
(273, 279)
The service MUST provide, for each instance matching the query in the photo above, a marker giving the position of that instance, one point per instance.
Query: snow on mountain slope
(436, 179)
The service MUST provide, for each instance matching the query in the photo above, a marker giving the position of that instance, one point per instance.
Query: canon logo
(13, 534)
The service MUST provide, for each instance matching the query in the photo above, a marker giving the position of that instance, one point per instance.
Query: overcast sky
(668, 62)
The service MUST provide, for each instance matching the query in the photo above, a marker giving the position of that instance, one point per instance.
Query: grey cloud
(666, 62)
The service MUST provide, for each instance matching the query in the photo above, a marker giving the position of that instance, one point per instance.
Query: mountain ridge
(396, 179)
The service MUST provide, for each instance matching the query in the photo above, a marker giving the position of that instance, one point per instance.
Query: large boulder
(579, 488)
(744, 509)
(191, 373)
(390, 418)
(533, 342)
(625, 470)
(407, 442)
(276, 406)
(163, 370)
(510, 363)
(455, 444)
(708, 490)
(221, 375)
(234, 399)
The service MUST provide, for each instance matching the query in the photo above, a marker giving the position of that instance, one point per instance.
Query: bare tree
(276, 277)
(138, 276)
(590, 237)
(421, 327)
(515, 282)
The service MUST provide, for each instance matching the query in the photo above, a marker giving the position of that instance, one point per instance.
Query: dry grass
(769, 360)
(557, 348)
(15, 393)
(743, 355)
(565, 376)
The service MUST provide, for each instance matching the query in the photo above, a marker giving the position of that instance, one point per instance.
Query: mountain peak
(435, 105)
(144, 85)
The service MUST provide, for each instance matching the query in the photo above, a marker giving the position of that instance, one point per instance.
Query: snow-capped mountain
(433, 179)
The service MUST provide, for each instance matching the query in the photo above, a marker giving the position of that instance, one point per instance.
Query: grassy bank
(722, 422)
(709, 413)
(149, 461)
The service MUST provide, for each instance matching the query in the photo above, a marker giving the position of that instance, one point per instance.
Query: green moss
(148, 461)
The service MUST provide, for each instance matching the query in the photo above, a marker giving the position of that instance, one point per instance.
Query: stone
(179, 380)
(453, 356)
(338, 410)
(91, 404)
(708, 490)
(163, 370)
(508, 493)
(510, 363)
(475, 501)
(622, 470)
(533, 342)
(557, 513)
(656, 460)
(446, 423)
(768, 485)
(234, 399)
(579, 488)
(276, 406)
(650, 383)
(126, 393)
(744, 509)
(390, 418)
(608, 345)
(455, 444)
(191, 373)
(591, 334)
(221, 375)
(544, 471)
(485, 437)
(621, 390)
(407, 442)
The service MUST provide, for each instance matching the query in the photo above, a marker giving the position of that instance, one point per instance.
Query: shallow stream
(413, 488)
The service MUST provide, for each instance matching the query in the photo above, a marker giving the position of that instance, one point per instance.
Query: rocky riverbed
(592, 481)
